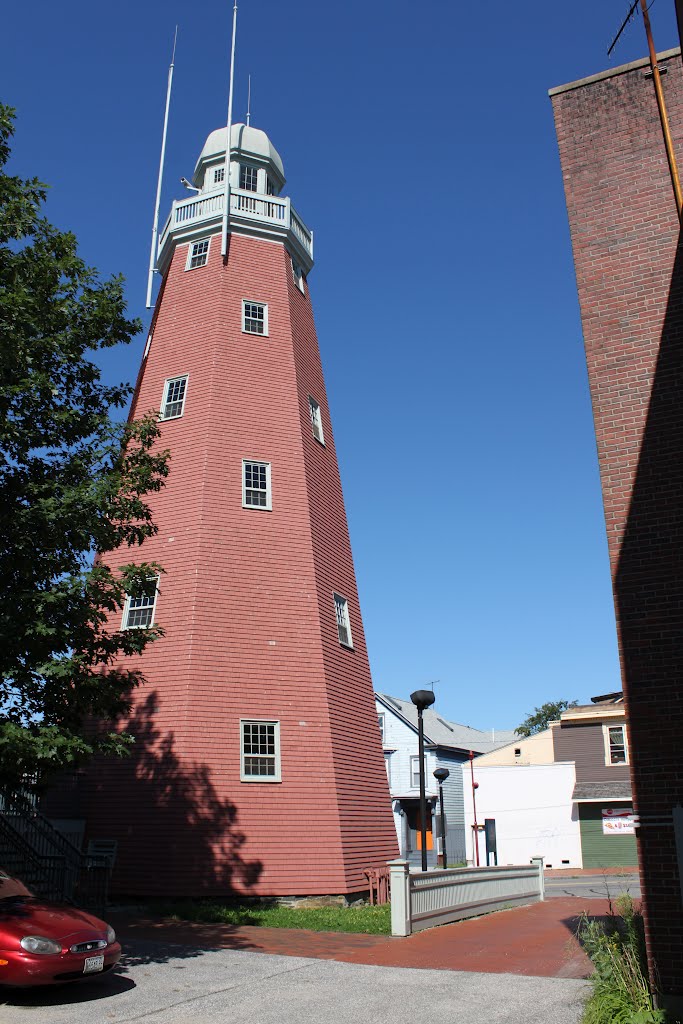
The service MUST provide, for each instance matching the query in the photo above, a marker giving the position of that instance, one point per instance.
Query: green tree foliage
(73, 482)
(539, 719)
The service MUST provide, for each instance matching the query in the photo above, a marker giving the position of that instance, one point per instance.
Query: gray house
(447, 745)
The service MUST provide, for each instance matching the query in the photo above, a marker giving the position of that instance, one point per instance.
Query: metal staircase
(44, 859)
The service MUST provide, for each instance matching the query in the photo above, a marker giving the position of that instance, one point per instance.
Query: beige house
(536, 749)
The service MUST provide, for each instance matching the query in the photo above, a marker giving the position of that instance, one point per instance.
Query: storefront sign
(618, 820)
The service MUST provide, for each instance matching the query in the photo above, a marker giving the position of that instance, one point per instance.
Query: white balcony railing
(245, 207)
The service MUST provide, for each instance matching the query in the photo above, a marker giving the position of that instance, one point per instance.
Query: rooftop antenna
(249, 102)
(432, 683)
(155, 225)
(224, 229)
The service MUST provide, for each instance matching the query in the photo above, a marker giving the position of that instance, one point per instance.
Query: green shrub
(621, 994)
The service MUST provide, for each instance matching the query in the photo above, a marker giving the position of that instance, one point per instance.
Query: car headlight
(111, 935)
(39, 944)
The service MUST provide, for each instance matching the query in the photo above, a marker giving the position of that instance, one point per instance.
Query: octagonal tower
(258, 764)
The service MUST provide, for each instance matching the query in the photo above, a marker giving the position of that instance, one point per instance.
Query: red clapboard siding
(247, 608)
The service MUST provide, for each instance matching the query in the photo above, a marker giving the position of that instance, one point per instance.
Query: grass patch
(365, 919)
(620, 993)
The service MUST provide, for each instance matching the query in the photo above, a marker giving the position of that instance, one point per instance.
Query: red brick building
(626, 240)
(258, 765)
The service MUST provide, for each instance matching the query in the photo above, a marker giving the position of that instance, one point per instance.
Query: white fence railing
(244, 205)
(424, 899)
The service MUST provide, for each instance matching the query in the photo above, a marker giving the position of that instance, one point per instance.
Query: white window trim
(255, 302)
(415, 773)
(340, 597)
(126, 609)
(605, 733)
(278, 765)
(387, 765)
(268, 507)
(189, 253)
(164, 399)
(382, 721)
(317, 412)
(298, 275)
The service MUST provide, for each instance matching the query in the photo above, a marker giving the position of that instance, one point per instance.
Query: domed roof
(245, 140)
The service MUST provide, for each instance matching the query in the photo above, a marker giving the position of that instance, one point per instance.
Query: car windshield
(11, 887)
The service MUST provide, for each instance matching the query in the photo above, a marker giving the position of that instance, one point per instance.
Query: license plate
(92, 964)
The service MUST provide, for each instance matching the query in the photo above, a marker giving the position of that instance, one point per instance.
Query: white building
(531, 805)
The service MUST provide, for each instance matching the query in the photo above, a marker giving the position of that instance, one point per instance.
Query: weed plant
(621, 994)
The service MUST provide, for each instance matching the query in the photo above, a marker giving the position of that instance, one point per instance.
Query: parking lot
(160, 983)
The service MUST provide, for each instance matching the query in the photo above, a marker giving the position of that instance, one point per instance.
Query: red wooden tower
(258, 763)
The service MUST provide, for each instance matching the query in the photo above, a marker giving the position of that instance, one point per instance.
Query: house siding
(454, 805)
(600, 850)
(584, 743)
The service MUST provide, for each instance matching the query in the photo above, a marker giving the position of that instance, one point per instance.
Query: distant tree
(72, 484)
(540, 717)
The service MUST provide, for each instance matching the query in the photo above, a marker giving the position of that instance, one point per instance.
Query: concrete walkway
(537, 941)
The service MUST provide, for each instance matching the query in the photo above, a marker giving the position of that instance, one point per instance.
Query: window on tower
(219, 175)
(248, 177)
(316, 420)
(260, 751)
(254, 317)
(173, 402)
(341, 608)
(138, 612)
(198, 254)
(298, 275)
(270, 187)
(256, 491)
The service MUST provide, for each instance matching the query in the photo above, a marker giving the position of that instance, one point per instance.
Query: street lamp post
(441, 774)
(422, 699)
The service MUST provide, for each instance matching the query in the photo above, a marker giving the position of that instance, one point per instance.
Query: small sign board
(618, 821)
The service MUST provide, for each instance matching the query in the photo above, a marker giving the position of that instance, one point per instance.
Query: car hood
(20, 916)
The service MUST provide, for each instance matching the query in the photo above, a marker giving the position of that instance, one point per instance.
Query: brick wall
(625, 237)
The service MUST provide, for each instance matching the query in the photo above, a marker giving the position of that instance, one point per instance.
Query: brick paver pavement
(537, 940)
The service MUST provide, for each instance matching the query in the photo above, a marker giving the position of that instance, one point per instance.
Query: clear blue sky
(418, 143)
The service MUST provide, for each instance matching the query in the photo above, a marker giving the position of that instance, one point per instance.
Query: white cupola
(255, 164)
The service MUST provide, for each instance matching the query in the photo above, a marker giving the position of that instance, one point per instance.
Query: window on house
(260, 751)
(138, 612)
(218, 175)
(341, 608)
(387, 765)
(380, 719)
(316, 420)
(173, 402)
(256, 485)
(616, 748)
(415, 772)
(198, 254)
(270, 187)
(298, 275)
(518, 751)
(248, 178)
(254, 317)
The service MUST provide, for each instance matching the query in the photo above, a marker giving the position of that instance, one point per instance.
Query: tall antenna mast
(226, 207)
(249, 101)
(155, 225)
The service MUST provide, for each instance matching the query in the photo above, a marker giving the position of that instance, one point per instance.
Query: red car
(44, 943)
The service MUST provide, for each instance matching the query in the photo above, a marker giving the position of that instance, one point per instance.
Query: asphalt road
(163, 984)
(590, 886)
